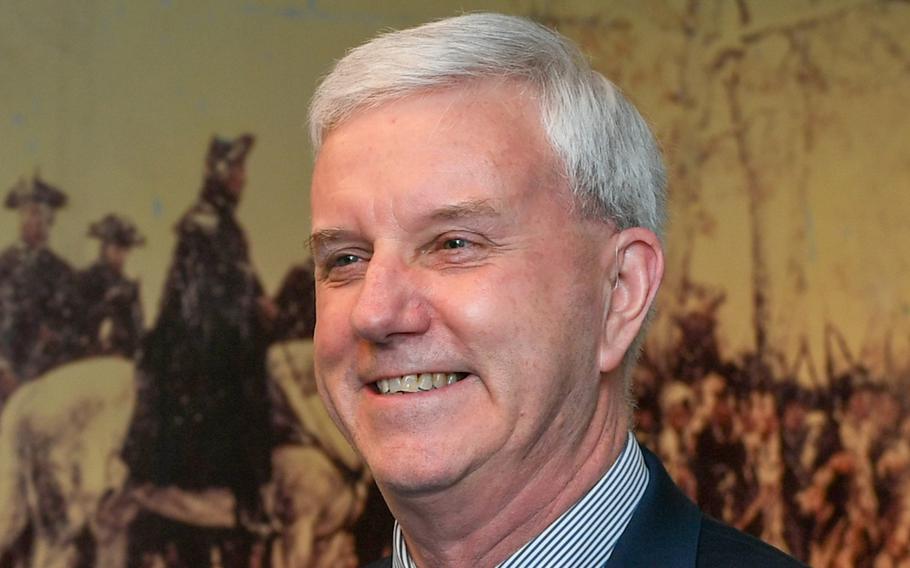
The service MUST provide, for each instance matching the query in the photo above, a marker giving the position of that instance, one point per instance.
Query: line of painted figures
(817, 466)
(50, 312)
(229, 458)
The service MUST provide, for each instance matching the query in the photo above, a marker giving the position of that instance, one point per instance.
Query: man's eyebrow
(466, 209)
(457, 211)
(322, 237)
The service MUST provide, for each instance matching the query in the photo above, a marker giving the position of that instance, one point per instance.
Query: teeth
(409, 383)
(416, 383)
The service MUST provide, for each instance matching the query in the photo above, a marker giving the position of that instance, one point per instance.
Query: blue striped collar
(584, 535)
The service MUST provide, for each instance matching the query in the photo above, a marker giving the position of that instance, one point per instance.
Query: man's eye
(344, 260)
(454, 243)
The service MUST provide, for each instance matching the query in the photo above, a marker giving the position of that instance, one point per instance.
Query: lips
(417, 382)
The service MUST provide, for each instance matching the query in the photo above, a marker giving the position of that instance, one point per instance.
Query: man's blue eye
(346, 259)
(454, 243)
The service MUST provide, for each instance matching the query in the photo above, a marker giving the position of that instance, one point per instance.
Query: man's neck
(482, 524)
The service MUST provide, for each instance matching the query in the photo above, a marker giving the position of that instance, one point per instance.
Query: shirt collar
(587, 532)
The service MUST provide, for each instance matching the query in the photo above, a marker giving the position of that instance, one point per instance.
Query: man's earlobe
(638, 269)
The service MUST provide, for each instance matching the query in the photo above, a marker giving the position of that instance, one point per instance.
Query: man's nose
(391, 302)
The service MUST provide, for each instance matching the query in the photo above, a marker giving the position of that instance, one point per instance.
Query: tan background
(807, 157)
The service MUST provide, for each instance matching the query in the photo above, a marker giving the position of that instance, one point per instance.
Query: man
(112, 308)
(720, 455)
(486, 220)
(203, 420)
(36, 285)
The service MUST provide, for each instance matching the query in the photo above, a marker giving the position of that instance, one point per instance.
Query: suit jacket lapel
(663, 530)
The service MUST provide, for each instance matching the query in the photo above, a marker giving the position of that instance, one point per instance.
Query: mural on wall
(157, 403)
(199, 441)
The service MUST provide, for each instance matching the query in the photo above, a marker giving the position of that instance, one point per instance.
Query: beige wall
(785, 125)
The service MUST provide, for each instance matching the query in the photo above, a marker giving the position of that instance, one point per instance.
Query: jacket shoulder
(722, 546)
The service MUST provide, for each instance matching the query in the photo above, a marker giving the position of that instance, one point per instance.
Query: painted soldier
(112, 308)
(720, 458)
(808, 440)
(205, 417)
(36, 286)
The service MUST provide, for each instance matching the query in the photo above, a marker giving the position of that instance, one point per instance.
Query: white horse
(60, 440)
(60, 469)
(319, 486)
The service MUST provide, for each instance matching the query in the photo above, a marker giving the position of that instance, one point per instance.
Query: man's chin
(409, 480)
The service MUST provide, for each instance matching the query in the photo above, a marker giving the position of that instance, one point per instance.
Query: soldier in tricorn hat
(36, 285)
(206, 418)
(35, 192)
(113, 320)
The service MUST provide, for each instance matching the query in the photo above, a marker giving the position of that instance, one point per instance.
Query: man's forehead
(485, 207)
(36, 207)
(474, 91)
(506, 101)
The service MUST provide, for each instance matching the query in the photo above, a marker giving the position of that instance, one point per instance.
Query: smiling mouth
(417, 383)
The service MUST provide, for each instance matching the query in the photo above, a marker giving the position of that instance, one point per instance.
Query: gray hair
(611, 159)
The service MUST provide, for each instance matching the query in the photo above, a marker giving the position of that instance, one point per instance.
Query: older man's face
(446, 251)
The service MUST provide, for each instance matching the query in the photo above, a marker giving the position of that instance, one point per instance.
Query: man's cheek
(327, 361)
(332, 327)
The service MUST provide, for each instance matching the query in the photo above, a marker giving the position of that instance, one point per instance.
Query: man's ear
(638, 267)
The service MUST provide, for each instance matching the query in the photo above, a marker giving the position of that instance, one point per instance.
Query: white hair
(611, 160)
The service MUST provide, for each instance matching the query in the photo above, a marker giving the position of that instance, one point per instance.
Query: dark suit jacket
(669, 531)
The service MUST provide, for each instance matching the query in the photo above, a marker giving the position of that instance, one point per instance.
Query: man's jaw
(417, 382)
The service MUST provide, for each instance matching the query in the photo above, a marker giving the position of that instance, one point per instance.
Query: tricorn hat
(34, 191)
(117, 230)
(224, 152)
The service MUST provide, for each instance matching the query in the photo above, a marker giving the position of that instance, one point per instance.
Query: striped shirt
(583, 536)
